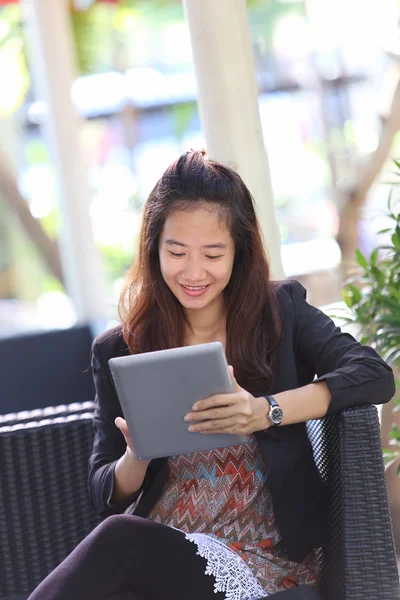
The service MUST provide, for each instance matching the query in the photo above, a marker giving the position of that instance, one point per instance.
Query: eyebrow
(176, 243)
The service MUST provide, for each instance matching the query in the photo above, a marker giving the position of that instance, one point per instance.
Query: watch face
(276, 415)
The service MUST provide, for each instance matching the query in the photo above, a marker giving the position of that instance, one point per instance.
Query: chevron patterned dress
(220, 500)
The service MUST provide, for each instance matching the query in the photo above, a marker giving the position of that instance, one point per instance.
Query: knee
(119, 527)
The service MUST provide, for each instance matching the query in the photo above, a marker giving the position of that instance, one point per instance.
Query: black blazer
(311, 345)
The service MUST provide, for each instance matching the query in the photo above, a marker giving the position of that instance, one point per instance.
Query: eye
(178, 255)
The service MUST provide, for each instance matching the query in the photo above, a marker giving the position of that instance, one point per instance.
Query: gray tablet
(157, 389)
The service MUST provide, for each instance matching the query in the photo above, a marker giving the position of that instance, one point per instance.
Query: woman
(235, 523)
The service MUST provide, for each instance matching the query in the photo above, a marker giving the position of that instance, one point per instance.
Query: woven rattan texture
(359, 560)
(44, 504)
(45, 512)
(325, 438)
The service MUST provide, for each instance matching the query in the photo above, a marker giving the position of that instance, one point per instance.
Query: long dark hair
(152, 317)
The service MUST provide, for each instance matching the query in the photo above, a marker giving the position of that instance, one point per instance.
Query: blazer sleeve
(355, 374)
(109, 443)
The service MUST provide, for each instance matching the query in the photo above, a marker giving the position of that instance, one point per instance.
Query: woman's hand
(122, 426)
(129, 470)
(239, 412)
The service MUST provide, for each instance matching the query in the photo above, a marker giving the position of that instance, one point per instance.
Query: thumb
(122, 426)
(236, 386)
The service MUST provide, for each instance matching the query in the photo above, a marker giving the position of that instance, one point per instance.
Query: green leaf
(390, 457)
(388, 320)
(355, 292)
(374, 257)
(362, 261)
(385, 230)
(387, 248)
(393, 356)
(389, 205)
(379, 276)
(388, 331)
(347, 298)
(389, 454)
(395, 292)
(396, 240)
(391, 305)
(395, 433)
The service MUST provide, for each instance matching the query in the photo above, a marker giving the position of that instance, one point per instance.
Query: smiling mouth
(196, 288)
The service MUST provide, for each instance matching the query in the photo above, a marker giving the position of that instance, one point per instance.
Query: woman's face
(196, 253)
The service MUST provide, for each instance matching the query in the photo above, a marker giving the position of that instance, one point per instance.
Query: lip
(194, 293)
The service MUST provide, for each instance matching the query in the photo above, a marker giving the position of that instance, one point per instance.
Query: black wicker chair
(44, 505)
(44, 475)
(359, 560)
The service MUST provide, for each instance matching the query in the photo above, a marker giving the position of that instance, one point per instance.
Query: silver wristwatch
(275, 414)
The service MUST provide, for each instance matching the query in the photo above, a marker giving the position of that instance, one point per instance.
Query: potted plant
(372, 293)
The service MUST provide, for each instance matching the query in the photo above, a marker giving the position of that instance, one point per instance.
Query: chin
(196, 303)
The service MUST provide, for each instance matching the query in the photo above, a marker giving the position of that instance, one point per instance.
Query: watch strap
(271, 400)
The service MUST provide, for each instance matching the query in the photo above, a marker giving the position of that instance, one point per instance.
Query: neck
(206, 325)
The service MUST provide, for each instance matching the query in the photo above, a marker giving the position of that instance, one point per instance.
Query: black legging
(130, 558)
(130, 553)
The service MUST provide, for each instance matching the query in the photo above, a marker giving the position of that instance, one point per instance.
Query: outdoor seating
(45, 509)
(359, 560)
(44, 505)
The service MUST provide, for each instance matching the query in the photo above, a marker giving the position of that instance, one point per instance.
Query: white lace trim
(231, 573)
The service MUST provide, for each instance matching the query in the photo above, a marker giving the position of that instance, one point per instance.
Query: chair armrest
(359, 558)
(49, 412)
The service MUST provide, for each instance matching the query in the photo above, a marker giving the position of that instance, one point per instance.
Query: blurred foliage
(373, 296)
(119, 36)
(182, 115)
(91, 30)
(35, 151)
(105, 34)
(263, 18)
(117, 261)
(13, 63)
(5, 253)
(51, 223)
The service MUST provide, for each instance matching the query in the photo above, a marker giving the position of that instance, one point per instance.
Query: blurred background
(328, 74)
(97, 98)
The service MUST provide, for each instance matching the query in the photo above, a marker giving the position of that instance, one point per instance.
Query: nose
(193, 272)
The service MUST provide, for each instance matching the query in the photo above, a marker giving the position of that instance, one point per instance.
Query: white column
(52, 59)
(228, 103)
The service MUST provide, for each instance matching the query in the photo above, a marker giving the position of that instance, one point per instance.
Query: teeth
(194, 289)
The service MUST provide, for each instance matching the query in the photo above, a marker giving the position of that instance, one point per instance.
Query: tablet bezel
(182, 374)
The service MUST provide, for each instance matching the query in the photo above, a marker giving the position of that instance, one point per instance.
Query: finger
(120, 423)
(236, 386)
(216, 400)
(212, 413)
(122, 426)
(230, 430)
(213, 426)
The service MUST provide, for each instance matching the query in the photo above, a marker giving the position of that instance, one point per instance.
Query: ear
(236, 386)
